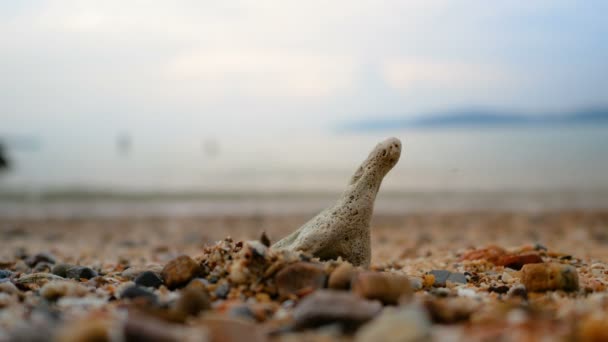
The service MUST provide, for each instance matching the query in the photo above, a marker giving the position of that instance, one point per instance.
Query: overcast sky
(68, 67)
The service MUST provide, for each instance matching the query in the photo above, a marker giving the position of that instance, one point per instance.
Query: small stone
(179, 271)
(491, 253)
(40, 257)
(265, 240)
(92, 329)
(404, 324)
(36, 280)
(518, 291)
(133, 272)
(416, 283)
(340, 278)
(21, 266)
(8, 287)
(193, 300)
(299, 277)
(459, 278)
(145, 328)
(242, 311)
(517, 261)
(549, 277)
(502, 289)
(149, 279)
(43, 267)
(329, 306)
(4, 274)
(451, 309)
(387, 288)
(61, 269)
(63, 288)
(232, 330)
(135, 291)
(441, 276)
(80, 272)
(222, 291)
(593, 328)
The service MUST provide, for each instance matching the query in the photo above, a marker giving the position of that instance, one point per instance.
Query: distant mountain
(482, 118)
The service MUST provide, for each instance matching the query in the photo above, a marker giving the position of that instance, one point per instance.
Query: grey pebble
(441, 276)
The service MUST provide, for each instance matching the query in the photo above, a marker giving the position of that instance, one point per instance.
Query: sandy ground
(412, 244)
(394, 237)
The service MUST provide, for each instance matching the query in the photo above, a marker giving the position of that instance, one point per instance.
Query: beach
(413, 244)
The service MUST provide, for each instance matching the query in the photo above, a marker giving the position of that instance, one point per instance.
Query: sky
(81, 68)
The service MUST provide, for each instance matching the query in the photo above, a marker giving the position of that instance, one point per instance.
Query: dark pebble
(499, 289)
(5, 274)
(38, 258)
(43, 267)
(457, 278)
(80, 272)
(222, 291)
(61, 269)
(440, 277)
(265, 240)
(518, 291)
(149, 279)
(133, 292)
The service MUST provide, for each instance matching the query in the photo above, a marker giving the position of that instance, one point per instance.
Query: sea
(441, 169)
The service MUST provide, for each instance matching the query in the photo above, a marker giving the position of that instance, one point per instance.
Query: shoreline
(100, 205)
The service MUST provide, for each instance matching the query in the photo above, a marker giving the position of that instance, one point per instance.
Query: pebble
(441, 276)
(8, 287)
(518, 291)
(148, 279)
(329, 306)
(222, 291)
(517, 261)
(179, 271)
(387, 288)
(80, 272)
(340, 278)
(36, 279)
(135, 291)
(404, 324)
(299, 277)
(43, 267)
(451, 310)
(459, 278)
(549, 276)
(5, 274)
(144, 328)
(134, 271)
(491, 253)
(92, 329)
(223, 329)
(416, 283)
(502, 289)
(193, 300)
(40, 257)
(593, 328)
(62, 288)
(61, 269)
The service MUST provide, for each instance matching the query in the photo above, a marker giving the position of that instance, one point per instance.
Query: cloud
(264, 73)
(406, 74)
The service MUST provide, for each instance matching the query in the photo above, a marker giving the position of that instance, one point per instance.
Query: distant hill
(482, 118)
